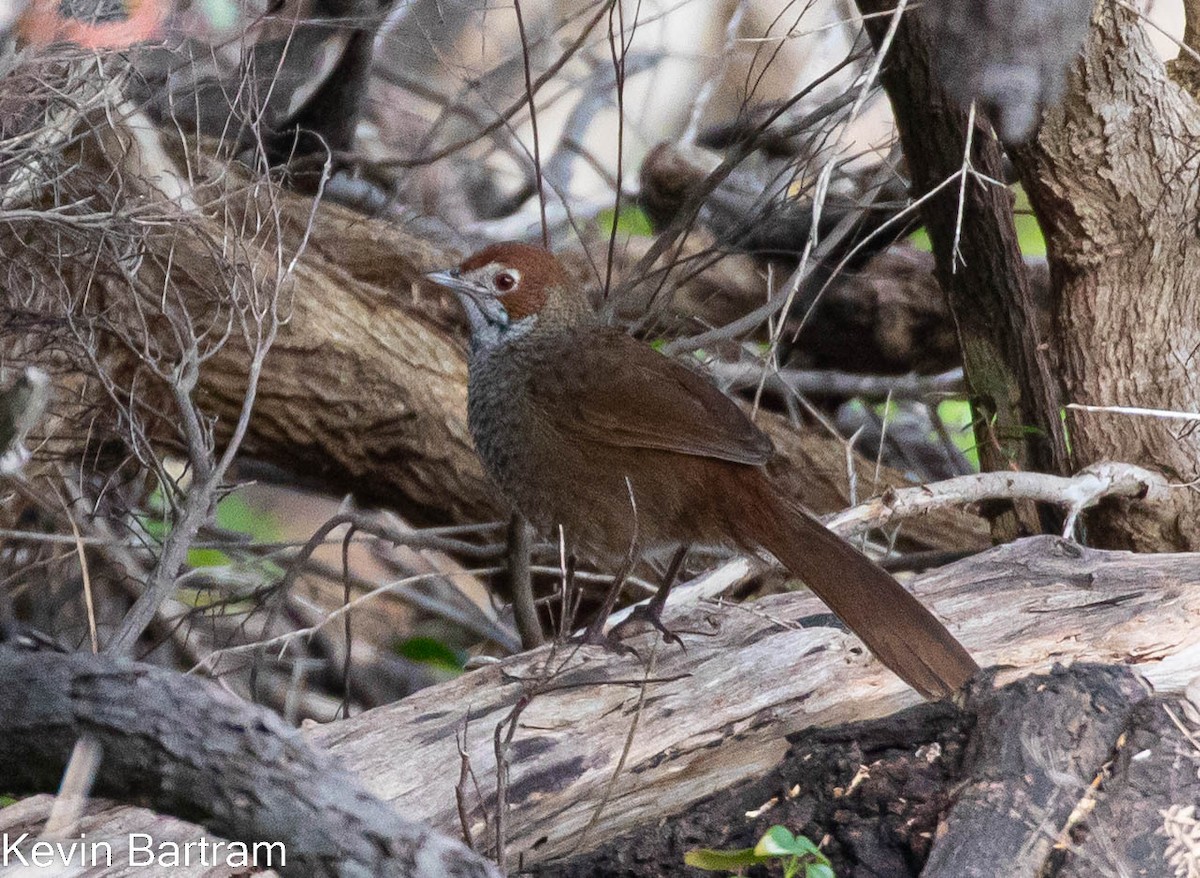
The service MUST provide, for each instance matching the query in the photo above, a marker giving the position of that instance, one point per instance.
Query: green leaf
(234, 513)
(920, 240)
(632, 222)
(778, 841)
(722, 861)
(208, 558)
(1029, 231)
(429, 651)
(819, 870)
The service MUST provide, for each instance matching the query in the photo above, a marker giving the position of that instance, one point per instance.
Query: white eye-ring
(506, 281)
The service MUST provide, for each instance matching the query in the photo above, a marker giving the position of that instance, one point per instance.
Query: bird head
(511, 289)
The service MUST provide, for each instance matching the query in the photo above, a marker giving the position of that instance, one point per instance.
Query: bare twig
(460, 788)
(1075, 494)
(533, 123)
(1165, 414)
(404, 587)
(824, 383)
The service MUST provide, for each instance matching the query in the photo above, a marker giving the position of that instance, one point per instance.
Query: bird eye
(504, 282)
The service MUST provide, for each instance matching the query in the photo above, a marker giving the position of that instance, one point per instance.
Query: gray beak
(452, 280)
(449, 278)
(483, 299)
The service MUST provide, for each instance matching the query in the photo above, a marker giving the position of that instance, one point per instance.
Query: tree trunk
(1010, 378)
(1113, 178)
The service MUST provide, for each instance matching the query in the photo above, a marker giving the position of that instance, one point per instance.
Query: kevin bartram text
(137, 849)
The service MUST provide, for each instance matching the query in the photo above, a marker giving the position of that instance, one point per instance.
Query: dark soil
(876, 788)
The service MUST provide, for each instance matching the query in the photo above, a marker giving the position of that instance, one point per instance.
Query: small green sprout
(801, 858)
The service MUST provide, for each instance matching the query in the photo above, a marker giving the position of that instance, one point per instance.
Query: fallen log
(192, 749)
(603, 745)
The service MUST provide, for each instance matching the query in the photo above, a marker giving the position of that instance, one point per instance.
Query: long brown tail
(893, 624)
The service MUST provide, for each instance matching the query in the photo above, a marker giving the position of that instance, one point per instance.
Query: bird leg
(651, 612)
(594, 633)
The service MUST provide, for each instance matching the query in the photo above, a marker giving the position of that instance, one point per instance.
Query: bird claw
(653, 617)
(594, 635)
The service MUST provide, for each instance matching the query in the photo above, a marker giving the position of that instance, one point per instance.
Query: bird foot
(594, 635)
(652, 616)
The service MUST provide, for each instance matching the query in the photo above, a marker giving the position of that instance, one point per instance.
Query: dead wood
(186, 747)
(1017, 784)
(721, 712)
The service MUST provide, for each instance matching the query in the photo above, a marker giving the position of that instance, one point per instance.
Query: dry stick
(690, 209)
(346, 665)
(76, 787)
(1165, 414)
(620, 766)
(412, 539)
(236, 542)
(822, 186)
(89, 601)
(460, 788)
(831, 382)
(700, 105)
(207, 474)
(468, 617)
(618, 60)
(1076, 493)
(375, 527)
(566, 566)
(428, 539)
(537, 154)
(750, 89)
(501, 744)
(579, 121)
(402, 586)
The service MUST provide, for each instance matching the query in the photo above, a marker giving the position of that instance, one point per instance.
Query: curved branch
(1075, 494)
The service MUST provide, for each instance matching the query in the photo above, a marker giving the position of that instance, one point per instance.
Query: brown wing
(634, 397)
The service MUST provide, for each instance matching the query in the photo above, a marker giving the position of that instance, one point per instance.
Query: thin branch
(1165, 414)
(1075, 494)
(831, 382)
(533, 123)
(505, 115)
